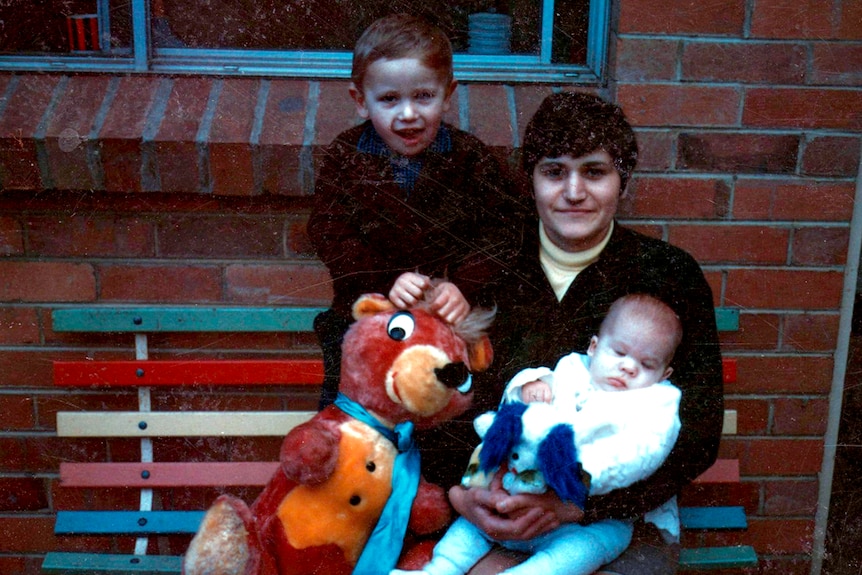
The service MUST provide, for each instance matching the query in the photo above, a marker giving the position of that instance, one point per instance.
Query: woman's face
(577, 198)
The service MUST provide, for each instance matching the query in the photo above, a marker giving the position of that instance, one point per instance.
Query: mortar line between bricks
(94, 145)
(254, 138)
(41, 131)
(151, 179)
(7, 95)
(203, 135)
(306, 152)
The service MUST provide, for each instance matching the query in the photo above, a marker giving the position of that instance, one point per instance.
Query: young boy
(404, 197)
(620, 438)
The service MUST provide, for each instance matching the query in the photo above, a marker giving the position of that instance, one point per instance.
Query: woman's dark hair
(576, 124)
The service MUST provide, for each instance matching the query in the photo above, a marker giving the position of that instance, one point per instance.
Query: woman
(579, 152)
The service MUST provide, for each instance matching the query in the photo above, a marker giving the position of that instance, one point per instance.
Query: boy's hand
(409, 289)
(536, 391)
(449, 303)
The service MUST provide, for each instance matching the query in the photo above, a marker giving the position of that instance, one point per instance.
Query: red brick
(122, 133)
(69, 129)
(655, 150)
(784, 565)
(679, 105)
(675, 198)
(738, 153)
(820, 246)
(21, 565)
(28, 534)
(728, 243)
(801, 108)
(19, 167)
(90, 235)
(18, 326)
(653, 231)
(831, 156)
(744, 62)
(715, 279)
(725, 17)
(230, 153)
(784, 374)
(452, 116)
(795, 497)
(781, 536)
(791, 19)
(640, 60)
(810, 332)
(757, 332)
(11, 237)
(221, 237)
(781, 456)
(298, 243)
(22, 494)
(490, 117)
(49, 405)
(14, 453)
(792, 289)
(18, 413)
(281, 138)
(849, 27)
(528, 98)
(336, 112)
(800, 416)
(26, 368)
(175, 148)
(279, 284)
(46, 281)
(752, 414)
(160, 283)
(793, 200)
(836, 63)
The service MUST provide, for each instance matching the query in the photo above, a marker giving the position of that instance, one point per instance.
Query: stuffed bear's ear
(371, 304)
(558, 462)
(481, 354)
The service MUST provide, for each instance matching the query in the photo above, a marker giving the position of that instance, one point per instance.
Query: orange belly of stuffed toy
(336, 517)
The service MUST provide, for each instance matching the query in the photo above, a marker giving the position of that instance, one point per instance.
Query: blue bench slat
(713, 517)
(57, 563)
(718, 557)
(185, 319)
(127, 522)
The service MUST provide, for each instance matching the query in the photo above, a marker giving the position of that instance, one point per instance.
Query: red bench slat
(167, 474)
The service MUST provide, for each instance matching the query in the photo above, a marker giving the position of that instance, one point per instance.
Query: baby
(620, 438)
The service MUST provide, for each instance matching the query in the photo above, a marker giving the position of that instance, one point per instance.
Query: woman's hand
(512, 517)
(409, 289)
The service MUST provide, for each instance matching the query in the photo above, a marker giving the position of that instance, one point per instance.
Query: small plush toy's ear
(558, 462)
(503, 434)
(370, 304)
(481, 354)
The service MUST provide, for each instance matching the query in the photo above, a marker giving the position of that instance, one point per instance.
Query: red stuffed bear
(319, 511)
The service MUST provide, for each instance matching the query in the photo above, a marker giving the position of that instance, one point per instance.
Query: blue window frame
(494, 40)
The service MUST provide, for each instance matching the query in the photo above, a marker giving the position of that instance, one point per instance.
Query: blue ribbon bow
(384, 545)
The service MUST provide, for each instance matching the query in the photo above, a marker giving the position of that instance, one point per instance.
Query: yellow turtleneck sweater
(562, 267)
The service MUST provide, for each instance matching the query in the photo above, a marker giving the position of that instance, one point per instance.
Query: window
(499, 40)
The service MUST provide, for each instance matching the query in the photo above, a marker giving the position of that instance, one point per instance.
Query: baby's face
(625, 359)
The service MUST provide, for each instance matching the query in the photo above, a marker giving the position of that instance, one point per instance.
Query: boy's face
(405, 101)
(629, 356)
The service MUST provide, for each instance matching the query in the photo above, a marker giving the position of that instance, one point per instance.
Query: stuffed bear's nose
(452, 375)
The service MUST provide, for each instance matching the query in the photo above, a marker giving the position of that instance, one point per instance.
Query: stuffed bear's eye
(515, 456)
(355, 500)
(401, 325)
(370, 466)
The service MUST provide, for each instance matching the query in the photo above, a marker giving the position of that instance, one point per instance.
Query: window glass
(77, 27)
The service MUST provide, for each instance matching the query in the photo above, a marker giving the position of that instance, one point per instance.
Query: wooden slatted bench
(136, 531)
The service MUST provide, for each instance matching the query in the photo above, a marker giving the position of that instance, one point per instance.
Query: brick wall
(195, 190)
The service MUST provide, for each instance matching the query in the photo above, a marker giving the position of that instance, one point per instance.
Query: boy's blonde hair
(402, 36)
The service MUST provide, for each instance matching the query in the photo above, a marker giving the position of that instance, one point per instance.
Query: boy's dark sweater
(455, 223)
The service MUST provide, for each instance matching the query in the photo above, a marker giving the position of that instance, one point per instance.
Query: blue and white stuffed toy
(538, 447)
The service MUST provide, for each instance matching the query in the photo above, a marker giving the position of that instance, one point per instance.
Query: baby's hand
(409, 289)
(536, 391)
(449, 303)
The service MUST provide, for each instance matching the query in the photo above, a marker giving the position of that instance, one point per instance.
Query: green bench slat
(201, 319)
(57, 563)
(127, 522)
(185, 319)
(713, 517)
(718, 557)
